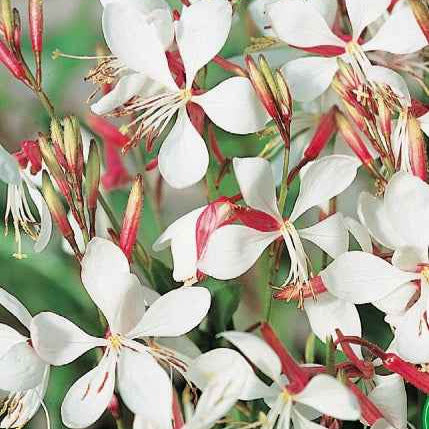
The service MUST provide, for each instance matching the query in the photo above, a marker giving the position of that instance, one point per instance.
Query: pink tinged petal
(201, 33)
(390, 398)
(182, 345)
(329, 313)
(11, 304)
(327, 8)
(396, 303)
(125, 30)
(298, 23)
(408, 258)
(183, 158)
(406, 200)
(126, 88)
(330, 235)
(145, 387)
(9, 168)
(233, 106)
(390, 36)
(309, 77)
(174, 314)
(372, 213)
(180, 235)
(382, 424)
(257, 351)
(360, 277)
(360, 233)
(59, 341)
(255, 178)
(424, 123)
(233, 249)
(323, 180)
(89, 396)
(20, 368)
(364, 12)
(327, 395)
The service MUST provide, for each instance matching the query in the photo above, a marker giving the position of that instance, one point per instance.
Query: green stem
(283, 186)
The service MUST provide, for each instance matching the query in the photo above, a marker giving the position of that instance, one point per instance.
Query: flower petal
(59, 341)
(309, 77)
(11, 304)
(330, 235)
(360, 233)
(255, 178)
(183, 158)
(360, 277)
(424, 123)
(301, 422)
(9, 337)
(145, 387)
(174, 314)
(389, 38)
(9, 168)
(396, 302)
(89, 396)
(406, 201)
(201, 33)
(257, 351)
(233, 249)
(125, 29)
(363, 12)
(329, 396)
(233, 106)
(323, 180)
(298, 23)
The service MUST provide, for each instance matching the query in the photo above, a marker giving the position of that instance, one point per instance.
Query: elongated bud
(54, 167)
(79, 142)
(420, 9)
(7, 19)
(285, 101)
(417, 148)
(32, 152)
(298, 378)
(385, 116)
(92, 184)
(370, 413)
(35, 16)
(131, 222)
(57, 134)
(11, 63)
(269, 78)
(71, 145)
(229, 66)
(17, 30)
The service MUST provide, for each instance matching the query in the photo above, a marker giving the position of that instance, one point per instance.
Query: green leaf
(425, 414)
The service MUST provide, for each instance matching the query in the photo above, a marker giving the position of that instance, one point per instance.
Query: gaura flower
(24, 375)
(200, 34)
(323, 394)
(233, 249)
(299, 24)
(18, 184)
(143, 384)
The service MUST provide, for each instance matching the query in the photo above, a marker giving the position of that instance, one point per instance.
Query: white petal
(364, 12)
(329, 396)
(180, 235)
(328, 313)
(309, 77)
(182, 344)
(183, 157)
(9, 337)
(323, 180)
(11, 304)
(201, 33)
(59, 341)
(9, 168)
(255, 178)
(175, 313)
(390, 36)
(145, 387)
(360, 233)
(233, 106)
(125, 29)
(390, 398)
(20, 368)
(373, 215)
(257, 351)
(396, 303)
(126, 88)
(424, 123)
(89, 396)
(301, 422)
(233, 249)
(408, 258)
(382, 424)
(360, 277)
(298, 23)
(406, 200)
(330, 235)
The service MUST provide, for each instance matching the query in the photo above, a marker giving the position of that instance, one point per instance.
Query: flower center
(286, 395)
(425, 274)
(115, 342)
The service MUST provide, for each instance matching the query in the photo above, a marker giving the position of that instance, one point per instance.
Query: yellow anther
(425, 273)
(287, 396)
(115, 342)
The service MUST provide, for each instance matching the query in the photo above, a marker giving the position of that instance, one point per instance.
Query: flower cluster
(330, 213)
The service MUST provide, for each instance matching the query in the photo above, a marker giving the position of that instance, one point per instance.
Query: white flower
(200, 34)
(143, 384)
(233, 249)
(322, 395)
(23, 375)
(298, 23)
(18, 183)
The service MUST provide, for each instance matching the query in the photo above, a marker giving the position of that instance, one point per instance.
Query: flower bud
(370, 413)
(11, 63)
(7, 19)
(285, 101)
(131, 222)
(421, 13)
(57, 134)
(71, 145)
(80, 157)
(35, 16)
(92, 183)
(32, 152)
(417, 148)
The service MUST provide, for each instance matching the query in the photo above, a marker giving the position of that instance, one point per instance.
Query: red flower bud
(35, 14)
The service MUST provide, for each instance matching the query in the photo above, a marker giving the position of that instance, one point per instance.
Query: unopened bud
(417, 148)
(325, 130)
(269, 78)
(385, 116)
(32, 152)
(17, 30)
(35, 16)
(7, 19)
(71, 145)
(421, 12)
(285, 100)
(57, 133)
(11, 63)
(80, 157)
(131, 222)
(92, 183)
